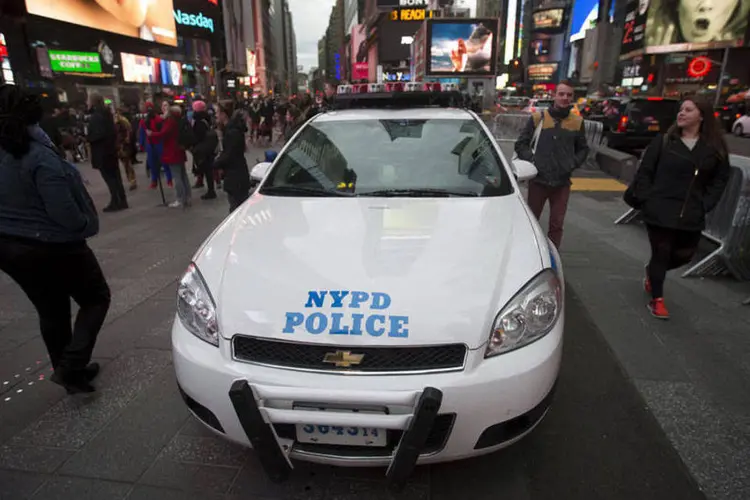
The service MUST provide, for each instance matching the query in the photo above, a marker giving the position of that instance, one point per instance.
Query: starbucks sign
(65, 61)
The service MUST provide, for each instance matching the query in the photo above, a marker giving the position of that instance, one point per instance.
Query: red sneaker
(658, 309)
(647, 282)
(153, 185)
(170, 184)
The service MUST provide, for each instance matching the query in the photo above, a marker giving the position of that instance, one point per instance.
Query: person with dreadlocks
(46, 216)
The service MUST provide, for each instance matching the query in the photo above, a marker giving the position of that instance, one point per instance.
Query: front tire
(738, 130)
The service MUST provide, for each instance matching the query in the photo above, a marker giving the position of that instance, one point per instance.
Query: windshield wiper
(420, 192)
(290, 189)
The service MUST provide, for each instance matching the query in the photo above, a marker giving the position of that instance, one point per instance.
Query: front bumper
(490, 404)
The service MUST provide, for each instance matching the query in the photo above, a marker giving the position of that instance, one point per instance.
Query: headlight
(529, 316)
(196, 308)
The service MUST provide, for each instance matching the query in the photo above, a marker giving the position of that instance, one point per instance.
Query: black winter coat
(206, 140)
(232, 158)
(675, 187)
(103, 139)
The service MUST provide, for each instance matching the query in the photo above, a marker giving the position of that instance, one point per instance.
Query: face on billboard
(462, 47)
(151, 20)
(696, 24)
(704, 20)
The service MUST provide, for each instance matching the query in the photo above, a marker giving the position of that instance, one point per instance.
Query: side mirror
(260, 170)
(524, 170)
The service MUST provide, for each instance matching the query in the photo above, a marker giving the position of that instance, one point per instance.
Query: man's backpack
(186, 136)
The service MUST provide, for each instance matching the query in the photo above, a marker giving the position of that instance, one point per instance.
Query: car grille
(374, 359)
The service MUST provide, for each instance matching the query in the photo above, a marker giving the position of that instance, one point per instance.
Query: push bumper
(487, 406)
(255, 419)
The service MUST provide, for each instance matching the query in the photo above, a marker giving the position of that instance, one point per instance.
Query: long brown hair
(710, 130)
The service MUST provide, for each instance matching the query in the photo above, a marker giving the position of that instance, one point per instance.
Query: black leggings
(670, 249)
(50, 275)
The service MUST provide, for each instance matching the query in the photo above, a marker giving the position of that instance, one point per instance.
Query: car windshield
(402, 157)
(543, 104)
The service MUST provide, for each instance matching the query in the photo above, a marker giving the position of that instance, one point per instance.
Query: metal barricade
(728, 226)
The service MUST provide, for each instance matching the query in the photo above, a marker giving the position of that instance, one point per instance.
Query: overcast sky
(310, 23)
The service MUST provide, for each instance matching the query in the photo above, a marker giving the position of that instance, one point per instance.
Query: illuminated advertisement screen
(548, 19)
(466, 46)
(65, 61)
(360, 65)
(546, 72)
(151, 20)
(144, 69)
(634, 30)
(687, 25)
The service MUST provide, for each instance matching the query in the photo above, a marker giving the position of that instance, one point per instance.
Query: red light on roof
(655, 99)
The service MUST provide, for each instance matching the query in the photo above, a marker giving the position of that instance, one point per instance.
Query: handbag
(629, 196)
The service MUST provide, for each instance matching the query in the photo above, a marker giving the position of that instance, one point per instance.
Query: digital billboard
(465, 46)
(634, 30)
(395, 38)
(66, 61)
(196, 18)
(551, 19)
(152, 70)
(151, 20)
(360, 66)
(686, 25)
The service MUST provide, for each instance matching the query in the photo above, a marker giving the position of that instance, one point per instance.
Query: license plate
(653, 128)
(343, 436)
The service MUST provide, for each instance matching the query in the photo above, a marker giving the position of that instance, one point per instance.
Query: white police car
(385, 297)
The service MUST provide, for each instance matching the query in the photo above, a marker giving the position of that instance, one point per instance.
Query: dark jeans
(50, 275)
(113, 178)
(558, 206)
(670, 249)
(236, 199)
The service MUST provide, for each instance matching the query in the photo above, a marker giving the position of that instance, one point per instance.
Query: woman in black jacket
(681, 178)
(46, 215)
(232, 158)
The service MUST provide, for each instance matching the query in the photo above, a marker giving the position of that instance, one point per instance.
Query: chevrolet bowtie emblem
(343, 359)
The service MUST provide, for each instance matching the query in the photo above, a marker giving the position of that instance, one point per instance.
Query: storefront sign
(65, 61)
(194, 20)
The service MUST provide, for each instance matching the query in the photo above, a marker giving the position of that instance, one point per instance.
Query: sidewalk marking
(589, 184)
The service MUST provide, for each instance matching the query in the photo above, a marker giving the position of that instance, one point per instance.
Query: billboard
(151, 20)
(152, 70)
(66, 61)
(196, 18)
(360, 66)
(466, 46)
(687, 25)
(634, 30)
(551, 20)
(395, 38)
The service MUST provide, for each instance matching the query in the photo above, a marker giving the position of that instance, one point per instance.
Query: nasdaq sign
(194, 20)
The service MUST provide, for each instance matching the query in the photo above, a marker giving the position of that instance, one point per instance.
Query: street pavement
(644, 410)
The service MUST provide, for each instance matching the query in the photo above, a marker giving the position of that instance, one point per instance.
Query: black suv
(640, 119)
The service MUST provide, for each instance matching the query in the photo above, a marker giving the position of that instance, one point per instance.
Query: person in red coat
(153, 123)
(173, 155)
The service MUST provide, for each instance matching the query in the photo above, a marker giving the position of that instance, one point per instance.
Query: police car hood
(370, 271)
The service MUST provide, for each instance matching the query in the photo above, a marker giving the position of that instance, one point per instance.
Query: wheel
(738, 130)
